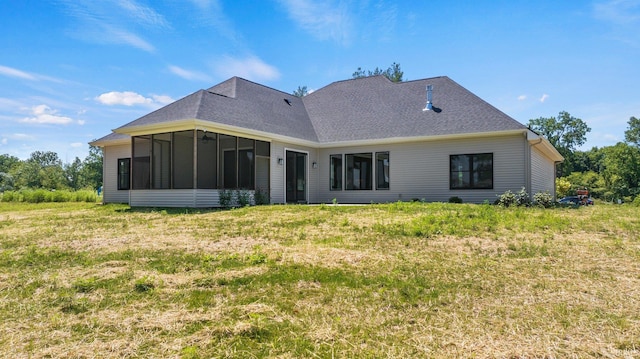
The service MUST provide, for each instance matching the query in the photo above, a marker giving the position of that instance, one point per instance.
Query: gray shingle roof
(358, 109)
(376, 108)
(241, 103)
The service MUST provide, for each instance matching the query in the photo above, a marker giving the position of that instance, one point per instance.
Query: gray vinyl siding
(111, 154)
(198, 198)
(542, 173)
(420, 170)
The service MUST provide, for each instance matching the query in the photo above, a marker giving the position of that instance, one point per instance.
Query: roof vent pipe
(429, 106)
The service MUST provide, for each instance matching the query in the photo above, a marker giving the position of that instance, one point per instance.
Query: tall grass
(42, 195)
(401, 280)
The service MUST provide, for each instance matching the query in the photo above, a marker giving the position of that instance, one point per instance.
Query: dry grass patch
(398, 280)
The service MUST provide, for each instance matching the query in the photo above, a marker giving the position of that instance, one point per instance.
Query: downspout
(555, 170)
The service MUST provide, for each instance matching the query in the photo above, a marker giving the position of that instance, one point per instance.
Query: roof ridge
(261, 85)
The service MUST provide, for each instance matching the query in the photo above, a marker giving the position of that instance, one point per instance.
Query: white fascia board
(190, 124)
(392, 140)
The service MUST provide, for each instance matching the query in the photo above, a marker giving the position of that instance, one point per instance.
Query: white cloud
(187, 74)
(44, 115)
(119, 36)
(142, 13)
(77, 144)
(130, 98)
(611, 138)
(11, 72)
(162, 99)
(324, 20)
(127, 98)
(618, 11)
(251, 68)
(4, 141)
(114, 22)
(522, 97)
(21, 136)
(544, 97)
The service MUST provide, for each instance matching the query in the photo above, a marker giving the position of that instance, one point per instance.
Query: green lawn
(402, 280)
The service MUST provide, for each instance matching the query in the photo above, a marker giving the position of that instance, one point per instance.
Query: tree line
(45, 170)
(609, 173)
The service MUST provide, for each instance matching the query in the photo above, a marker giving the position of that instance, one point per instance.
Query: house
(355, 141)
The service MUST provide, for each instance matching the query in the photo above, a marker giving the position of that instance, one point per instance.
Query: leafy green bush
(226, 197)
(522, 197)
(543, 199)
(636, 201)
(10, 196)
(261, 197)
(455, 199)
(244, 198)
(42, 195)
(506, 199)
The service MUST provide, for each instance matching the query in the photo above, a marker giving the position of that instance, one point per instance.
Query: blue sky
(72, 70)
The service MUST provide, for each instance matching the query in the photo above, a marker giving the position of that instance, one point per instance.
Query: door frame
(306, 173)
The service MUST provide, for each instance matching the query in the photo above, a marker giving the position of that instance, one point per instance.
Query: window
(141, 162)
(263, 163)
(335, 172)
(359, 170)
(167, 161)
(474, 171)
(228, 172)
(124, 174)
(382, 170)
(246, 163)
(183, 159)
(161, 165)
(207, 160)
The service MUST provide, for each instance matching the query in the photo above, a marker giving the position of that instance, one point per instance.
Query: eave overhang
(544, 145)
(191, 124)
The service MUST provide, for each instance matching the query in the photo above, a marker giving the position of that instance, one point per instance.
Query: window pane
(207, 143)
(382, 170)
(263, 148)
(246, 160)
(460, 180)
(183, 159)
(124, 177)
(262, 174)
(359, 171)
(471, 171)
(460, 163)
(141, 162)
(228, 162)
(335, 172)
(263, 167)
(161, 161)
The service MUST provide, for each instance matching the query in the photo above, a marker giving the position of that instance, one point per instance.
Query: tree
(72, 173)
(632, 134)
(393, 73)
(91, 172)
(301, 91)
(41, 170)
(564, 132)
(7, 164)
(622, 169)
